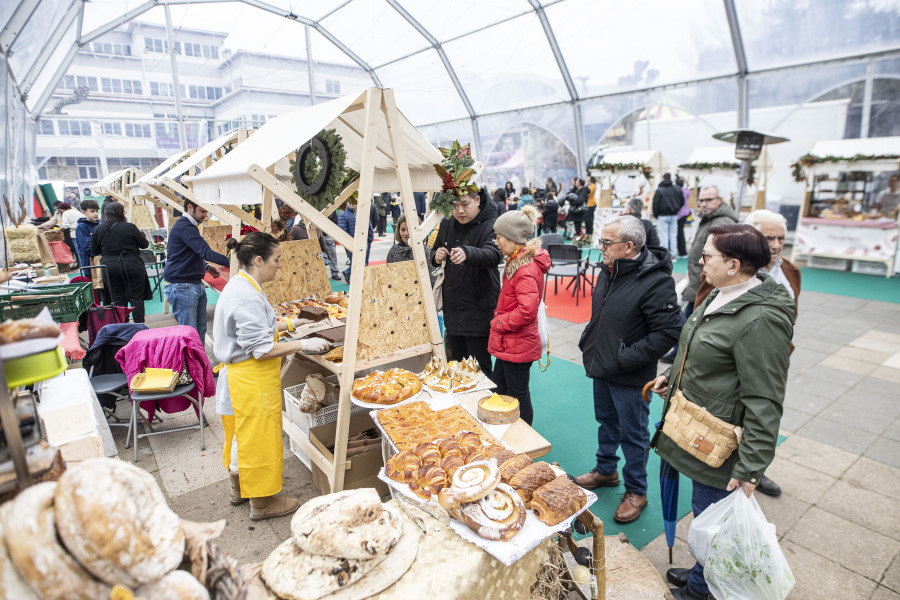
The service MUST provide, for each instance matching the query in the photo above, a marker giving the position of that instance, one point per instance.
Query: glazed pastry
(429, 480)
(512, 466)
(428, 452)
(558, 500)
(468, 440)
(390, 387)
(474, 455)
(499, 453)
(498, 516)
(470, 483)
(527, 480)
(450, 464)
(449, 447)
(402, 466)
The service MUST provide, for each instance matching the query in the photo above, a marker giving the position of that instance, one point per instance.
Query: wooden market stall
(719, 162)
(391, 312)
(838, 227)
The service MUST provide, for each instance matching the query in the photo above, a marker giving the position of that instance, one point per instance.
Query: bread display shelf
(363, 365)
(532, 534)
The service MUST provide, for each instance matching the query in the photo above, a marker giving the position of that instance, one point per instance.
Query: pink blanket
(169, 348)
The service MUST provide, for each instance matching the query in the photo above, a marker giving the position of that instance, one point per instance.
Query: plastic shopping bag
(544, 332)
(743, 559)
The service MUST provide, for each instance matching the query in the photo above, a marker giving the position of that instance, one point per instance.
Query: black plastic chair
(566, 261)
(551, 238)
(155, 271)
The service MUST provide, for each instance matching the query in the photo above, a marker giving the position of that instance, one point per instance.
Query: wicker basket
(699, 433)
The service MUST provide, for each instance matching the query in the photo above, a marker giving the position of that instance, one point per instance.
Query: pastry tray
(532, 534)
(376, 406)
(484, 383)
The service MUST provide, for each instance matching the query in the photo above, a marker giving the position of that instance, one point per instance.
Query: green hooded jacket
(738, 372)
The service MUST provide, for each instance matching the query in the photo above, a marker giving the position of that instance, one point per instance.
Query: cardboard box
(364, 467)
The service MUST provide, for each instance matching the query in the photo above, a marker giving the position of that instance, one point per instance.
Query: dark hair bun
(232, 243)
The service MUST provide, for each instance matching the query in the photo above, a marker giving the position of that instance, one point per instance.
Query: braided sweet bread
(469, 483)
(498, 516)
(390, 387)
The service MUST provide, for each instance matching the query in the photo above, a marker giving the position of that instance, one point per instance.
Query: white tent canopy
(848, 149)
(228, 181)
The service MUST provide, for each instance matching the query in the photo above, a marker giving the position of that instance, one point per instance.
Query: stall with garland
(711, 164)
(841, 225)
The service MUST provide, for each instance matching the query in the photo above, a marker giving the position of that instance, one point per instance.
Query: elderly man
(634, 320)
(712, 211)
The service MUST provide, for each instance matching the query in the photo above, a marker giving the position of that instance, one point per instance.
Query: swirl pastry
(527, 480)
(469, 483)
(402, 466)
(498, 516)
(450, 464)
(474, 455)
(449, 447)
(428, 452)
(468, 440)
(499, 453)
(429, 480)
(513, 465)
(558, 500)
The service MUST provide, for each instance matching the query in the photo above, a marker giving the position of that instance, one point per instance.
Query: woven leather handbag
(696, 431)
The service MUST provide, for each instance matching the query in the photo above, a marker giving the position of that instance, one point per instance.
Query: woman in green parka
(737, 344)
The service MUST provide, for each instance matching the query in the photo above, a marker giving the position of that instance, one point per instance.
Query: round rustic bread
(176, 584)
(349, 524)
(12, 586)
(113, 518)
(29, 523)
(297, 575)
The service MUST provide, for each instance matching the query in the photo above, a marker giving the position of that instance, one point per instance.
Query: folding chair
(182, 391)
(565, 261)
(155, 270)
(105, 374)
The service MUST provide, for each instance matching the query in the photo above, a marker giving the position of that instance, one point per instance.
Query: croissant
(558, 500)
(470, 483)
(498, 516)
(450, 464)
(468, 440)
(429, 480)
(449, 447)
(527, 480)
(402, 466)
(510, 467)
(474, 455)
(428, 452)
(499, 453)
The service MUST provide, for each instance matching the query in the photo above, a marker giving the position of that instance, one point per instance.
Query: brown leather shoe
(593, 480)
(270, 507)
(630, 508)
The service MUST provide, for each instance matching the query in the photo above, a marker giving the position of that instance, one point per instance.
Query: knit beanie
(515, 225)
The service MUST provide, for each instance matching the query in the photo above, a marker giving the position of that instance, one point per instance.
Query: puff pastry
(499, 453)
(557, 500)
(527, 480)
(470, 483)
(402, 466)
(512, 466)
(498, 516)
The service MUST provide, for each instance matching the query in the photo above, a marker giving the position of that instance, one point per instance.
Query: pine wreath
(318, 172)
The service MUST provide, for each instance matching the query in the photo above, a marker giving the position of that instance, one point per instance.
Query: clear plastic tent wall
(536, 86)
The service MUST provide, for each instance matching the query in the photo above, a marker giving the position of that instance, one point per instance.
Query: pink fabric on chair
(169, 348)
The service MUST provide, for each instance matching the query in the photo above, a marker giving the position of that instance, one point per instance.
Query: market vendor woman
(248, 392)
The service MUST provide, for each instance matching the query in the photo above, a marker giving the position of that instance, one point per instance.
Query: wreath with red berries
(456, 173)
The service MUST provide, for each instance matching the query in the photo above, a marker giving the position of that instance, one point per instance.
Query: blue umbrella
(668, 491)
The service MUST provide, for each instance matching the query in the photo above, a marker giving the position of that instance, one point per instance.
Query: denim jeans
(350, 261)
(668, 232)
(702, 497)
(624, 418)
(331, 256)
(188, 301)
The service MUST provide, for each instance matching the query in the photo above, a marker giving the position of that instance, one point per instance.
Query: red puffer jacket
(514, 329)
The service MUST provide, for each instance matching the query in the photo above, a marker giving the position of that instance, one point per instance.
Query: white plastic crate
(300, 454)
(868, 267)
(323, 416)
(824, 262)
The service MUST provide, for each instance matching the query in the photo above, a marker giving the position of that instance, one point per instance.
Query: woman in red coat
(514, 339)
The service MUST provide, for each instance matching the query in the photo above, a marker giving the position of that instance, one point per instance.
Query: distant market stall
(719, 162)
(647, 164)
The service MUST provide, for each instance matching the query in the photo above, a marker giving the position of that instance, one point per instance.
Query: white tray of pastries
(383, 389)
(454, 377)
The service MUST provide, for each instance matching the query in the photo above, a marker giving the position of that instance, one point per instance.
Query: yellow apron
(255, 390)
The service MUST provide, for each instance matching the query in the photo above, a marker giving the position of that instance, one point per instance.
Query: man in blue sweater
(186, 262)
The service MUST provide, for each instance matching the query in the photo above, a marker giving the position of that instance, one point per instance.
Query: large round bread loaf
(113, 518)
(176, 585)
(29, 523)
(12, 586)
(349, 524)
(297, 575)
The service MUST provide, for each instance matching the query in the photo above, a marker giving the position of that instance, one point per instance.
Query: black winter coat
(651, 236)
(635, 319)
(550, 212)
(470, 289)
(667, 200)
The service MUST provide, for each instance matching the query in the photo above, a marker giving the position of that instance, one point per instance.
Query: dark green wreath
(322, 175)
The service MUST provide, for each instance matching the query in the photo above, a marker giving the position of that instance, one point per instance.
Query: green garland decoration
(708, 166)
(798, 173)
(312, 166)
(811, 159)
(456, 174)
(615, 167)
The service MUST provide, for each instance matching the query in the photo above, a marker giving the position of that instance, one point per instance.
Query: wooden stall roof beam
(360, 240)
(392, 117)
(244, 216)
(268, 203)
(177, 203)
(301, 206)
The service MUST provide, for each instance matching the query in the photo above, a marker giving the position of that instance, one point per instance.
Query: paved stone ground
(838, 520)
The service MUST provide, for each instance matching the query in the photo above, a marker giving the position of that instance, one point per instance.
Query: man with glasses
(634, 320)
(712, 211)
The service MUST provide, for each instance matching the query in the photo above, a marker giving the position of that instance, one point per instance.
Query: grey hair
(630, 230)
(635, 206)
(711, 187)
(759, 217)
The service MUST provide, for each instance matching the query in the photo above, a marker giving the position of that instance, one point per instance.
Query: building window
(137, 130)
(333, 86)
(46, 127)
(112, 129)
(74, 128)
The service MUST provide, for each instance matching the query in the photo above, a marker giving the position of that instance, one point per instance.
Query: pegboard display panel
(393, 315)
(302, 273)
(215, 237)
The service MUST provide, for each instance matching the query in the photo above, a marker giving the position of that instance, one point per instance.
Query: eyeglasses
(607, 243)
(706, 256)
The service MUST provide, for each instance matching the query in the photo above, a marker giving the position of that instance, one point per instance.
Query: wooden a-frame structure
(392, 313)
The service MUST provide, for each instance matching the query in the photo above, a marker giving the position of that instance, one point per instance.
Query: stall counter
(868, 241)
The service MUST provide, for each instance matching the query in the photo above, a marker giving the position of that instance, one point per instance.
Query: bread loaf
(12, 586)
(29, 522)
(176, 585)
(351, 524)
(113, 518)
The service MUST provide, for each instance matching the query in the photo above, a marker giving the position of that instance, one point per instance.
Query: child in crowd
(85, 230)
